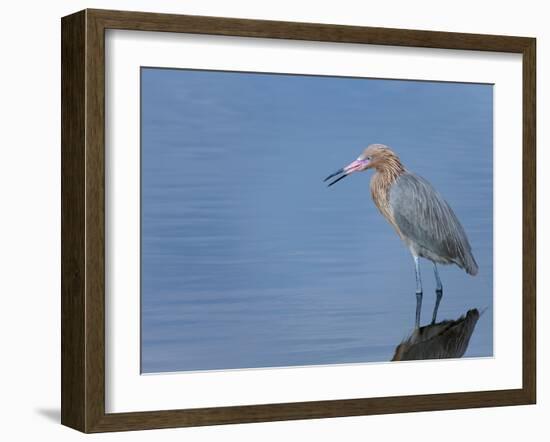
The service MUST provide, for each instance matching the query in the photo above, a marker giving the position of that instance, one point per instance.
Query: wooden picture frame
(83, 220)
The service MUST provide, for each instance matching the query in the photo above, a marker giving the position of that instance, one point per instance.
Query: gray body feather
(428, 224)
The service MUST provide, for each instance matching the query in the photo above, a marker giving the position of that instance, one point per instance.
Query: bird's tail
(470, 264)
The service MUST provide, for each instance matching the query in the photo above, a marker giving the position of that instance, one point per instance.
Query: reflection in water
(445, 339)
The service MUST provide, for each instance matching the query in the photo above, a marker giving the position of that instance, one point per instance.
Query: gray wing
(429, 223)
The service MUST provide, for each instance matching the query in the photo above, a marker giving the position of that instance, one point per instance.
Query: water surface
(248, 260)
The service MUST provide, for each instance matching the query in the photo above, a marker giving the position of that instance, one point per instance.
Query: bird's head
(376, 156)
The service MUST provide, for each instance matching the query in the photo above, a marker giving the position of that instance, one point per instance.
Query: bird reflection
(442, 340)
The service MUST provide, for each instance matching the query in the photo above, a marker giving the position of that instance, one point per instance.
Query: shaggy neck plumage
(389, 168)
(387, 171)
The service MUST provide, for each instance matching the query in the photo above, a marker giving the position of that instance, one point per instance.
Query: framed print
(216, 266)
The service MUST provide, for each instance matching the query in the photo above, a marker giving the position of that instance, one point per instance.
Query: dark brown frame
(83, 217)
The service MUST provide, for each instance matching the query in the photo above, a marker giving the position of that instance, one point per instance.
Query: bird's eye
(368, 158)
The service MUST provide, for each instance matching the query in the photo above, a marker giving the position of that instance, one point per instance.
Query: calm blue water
(248, 260)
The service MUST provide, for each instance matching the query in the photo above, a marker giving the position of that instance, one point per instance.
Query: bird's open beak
(345, 171)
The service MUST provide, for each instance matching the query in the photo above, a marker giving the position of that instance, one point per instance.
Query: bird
(418, 213)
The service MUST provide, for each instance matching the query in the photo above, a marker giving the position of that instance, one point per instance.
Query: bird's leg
(438, 293)
(418, 291)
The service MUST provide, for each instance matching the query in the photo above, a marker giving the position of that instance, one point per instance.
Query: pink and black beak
(357, 165)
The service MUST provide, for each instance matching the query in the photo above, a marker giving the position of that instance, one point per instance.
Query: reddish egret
(421, 217)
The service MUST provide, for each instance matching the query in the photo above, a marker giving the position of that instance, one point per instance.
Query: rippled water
(248, 260)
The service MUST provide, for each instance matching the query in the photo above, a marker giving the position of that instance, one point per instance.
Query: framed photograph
(216, 266)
